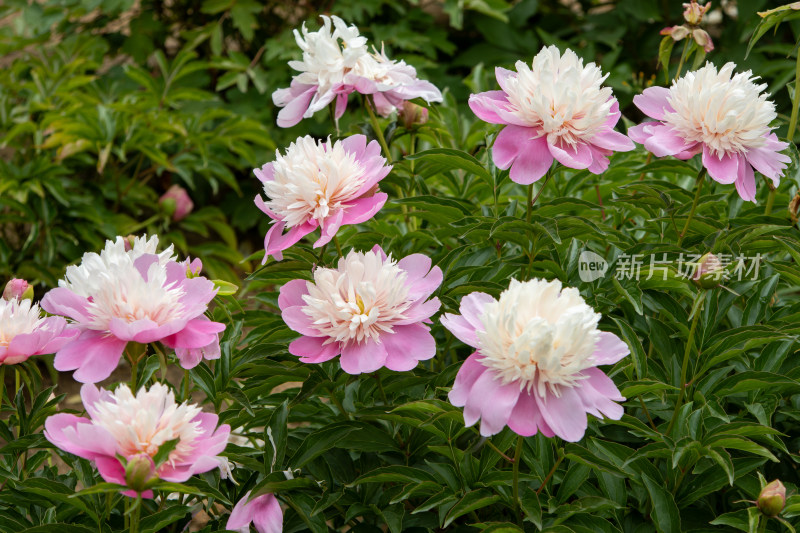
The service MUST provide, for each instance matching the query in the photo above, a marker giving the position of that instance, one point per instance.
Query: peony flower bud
(18, 288)
(693, 12)
(176, 202)
(794, 207)
(676, 32)
(709, 272)
(772, 499)
(140, 472)
(702, 38)
(413, 115)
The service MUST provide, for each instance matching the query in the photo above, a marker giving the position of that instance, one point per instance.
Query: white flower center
(560, 96)
(17, 317)
(325, 62)
(142, 423)
(538, 335)
(312, 180)
(83, 279)
(727, 112)
(125, 294)
(361, 299)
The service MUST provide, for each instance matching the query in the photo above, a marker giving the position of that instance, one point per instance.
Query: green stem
(683, 58)
(336, 402)
(770, 200)
(499, 452)
(762, 524)
(515, 471)
(686, 353)
(529, 203)
(698, 190)
(795, 100)
(552, 471)
(380, 388)
(137, 513)
(338, 248)
(539, 192)
(377, 129)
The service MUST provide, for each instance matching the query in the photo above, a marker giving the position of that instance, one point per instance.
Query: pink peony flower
(371, 309)
(722, 115)
(320, 185)
(23, 331)
(556, 108)
(264, 512)
(18, 288)
(177, 202)
(120, 296)
(537, 351)
(331, 70)
(133, 427)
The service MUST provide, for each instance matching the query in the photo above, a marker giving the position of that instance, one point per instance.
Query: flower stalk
(376, 127)
(686, 353)
(698, 190)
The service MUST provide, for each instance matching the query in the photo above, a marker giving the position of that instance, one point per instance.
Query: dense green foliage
(104, 105)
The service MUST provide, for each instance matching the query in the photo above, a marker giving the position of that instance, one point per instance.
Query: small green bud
(772, 499)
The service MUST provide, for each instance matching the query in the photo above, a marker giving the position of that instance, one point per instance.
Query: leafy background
(104, 105)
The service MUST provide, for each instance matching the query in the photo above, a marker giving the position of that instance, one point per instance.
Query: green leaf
(665, 513)
(164, 450)
(319, 442)
(444, 159)
(158, 521)
(638, 354)
(471, 501)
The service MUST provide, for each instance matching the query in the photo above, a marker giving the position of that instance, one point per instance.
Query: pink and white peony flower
(264, 512)
(120, 296)
(371, 310)
(134, 427)
(556, 108)
(537, 350)
(320, 185)
(337, 62)
(24, 332)
(724, 116)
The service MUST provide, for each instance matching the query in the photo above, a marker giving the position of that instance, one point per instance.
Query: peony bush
(528, 313)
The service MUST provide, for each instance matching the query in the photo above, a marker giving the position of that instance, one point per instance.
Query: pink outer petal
(525, 419)
(264, 512)
(341, 105)
(407, 346)
(485, 105)
(746, 181)
(292, 293)
(295, 106)
(565, 414)
(613, 140)
(377, 250)
(112, 471)
(355, 144)
(329, 227)
(503, 75)
(532, 161)
(578, 156)
(492, 402)
(297, 320)
(467, 375)
(768, 160)
(654, 102)
(262, 206)
(191, 357)
(94, 354)
(276, 241)
(360, 358)
(663, 141)
(420, 311)
(199, 332)
(464, 327)
(79, 436)
(460, 328)
(62, 301)
(266, 173)
(421, 279)
(363, 209)
(314, 349)
(724, 170)
(609, 349)
(599, 159)
(599, 395)
(641, 132)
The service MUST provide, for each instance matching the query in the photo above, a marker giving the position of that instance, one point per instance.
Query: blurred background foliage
(105, 104)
